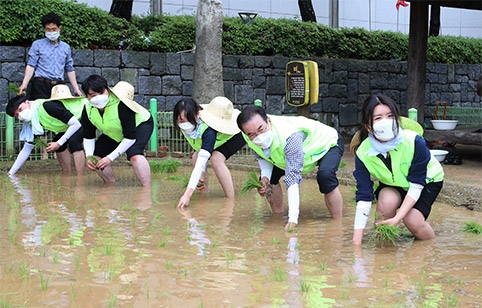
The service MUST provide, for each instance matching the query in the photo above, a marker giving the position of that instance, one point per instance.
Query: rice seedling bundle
(385, 233)
(252, 182)
(169, 165)
(39, 143)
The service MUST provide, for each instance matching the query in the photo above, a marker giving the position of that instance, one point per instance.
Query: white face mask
(187, 127)
(264, 140)
(53, 36)
(25, 115)
(99, 101)
(383, 130)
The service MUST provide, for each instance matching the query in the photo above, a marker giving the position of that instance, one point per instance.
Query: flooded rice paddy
(68, 242)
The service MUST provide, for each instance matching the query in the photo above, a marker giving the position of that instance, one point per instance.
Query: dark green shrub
(86, 27)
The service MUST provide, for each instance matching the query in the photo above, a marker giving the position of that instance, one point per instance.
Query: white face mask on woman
(53, 36)
(264, 140)
(25, 115)
(187, 127)
(99, 101)
(383, 130)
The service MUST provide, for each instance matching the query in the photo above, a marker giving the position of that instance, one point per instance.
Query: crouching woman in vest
(125, 125)
(212, 132)
(410, 177)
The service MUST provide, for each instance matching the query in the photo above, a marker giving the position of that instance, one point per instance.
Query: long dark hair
(369, 105)
(191, 109)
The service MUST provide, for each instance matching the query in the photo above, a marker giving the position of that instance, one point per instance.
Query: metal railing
(164, 135)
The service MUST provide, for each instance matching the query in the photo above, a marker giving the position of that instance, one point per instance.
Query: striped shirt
(50, 61)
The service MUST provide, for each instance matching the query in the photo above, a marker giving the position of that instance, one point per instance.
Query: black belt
(52, 82)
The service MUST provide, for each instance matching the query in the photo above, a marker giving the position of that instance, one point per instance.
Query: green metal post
(9, 121)
(153, 110)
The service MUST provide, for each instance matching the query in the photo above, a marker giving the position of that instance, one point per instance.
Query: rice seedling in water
(304, 286)
(24, 269)
(252, 182)
(472, 227)
(279, 275)
(322, 266)
(44, 282)
(184, 180)
(169, 165)
(385, 233)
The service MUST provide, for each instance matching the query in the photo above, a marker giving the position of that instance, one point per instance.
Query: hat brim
(229, 127)
(133, 105)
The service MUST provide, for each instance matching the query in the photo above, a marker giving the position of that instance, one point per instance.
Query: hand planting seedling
(39, 143)
(252, 182)
(92, 159)
(385, 233)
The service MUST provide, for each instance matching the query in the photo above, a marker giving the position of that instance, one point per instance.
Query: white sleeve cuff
(74, 126)
(21, 158)
(266, 168)
(123, 146)
(89, 147)
(293, 203)
(362, 213)
(414, 191)
(201, 162)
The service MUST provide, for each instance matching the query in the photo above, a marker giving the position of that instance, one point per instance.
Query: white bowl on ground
(444, 124)
(439, 154)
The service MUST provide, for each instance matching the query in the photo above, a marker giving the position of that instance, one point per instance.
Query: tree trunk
(208, 68)
(122, 9)
(306, 10)
(434, 29)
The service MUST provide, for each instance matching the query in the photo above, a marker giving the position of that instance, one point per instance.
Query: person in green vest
(291, 146)
(125, 127)
(212, 132)
(409, 176)
(59, 114)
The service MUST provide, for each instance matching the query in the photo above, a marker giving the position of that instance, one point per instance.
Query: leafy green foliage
(85, 27)
(92, 159)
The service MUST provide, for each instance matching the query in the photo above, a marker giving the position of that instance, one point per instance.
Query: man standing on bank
(49, 59)
(289, 147)
(125, 125)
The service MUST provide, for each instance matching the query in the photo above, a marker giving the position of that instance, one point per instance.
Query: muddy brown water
(67, 242)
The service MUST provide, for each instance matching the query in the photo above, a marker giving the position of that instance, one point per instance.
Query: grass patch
(252, 182)
(169, 165)
(472, 227)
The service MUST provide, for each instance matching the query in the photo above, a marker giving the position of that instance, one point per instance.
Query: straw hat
(125, 92)
(60, 91)
(220, 115)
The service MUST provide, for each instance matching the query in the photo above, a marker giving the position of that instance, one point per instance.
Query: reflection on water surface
(66, 242)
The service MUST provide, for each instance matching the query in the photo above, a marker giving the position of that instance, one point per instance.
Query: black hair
(191, 109)
(13, 104)
(369, 105)
(95, 83)
(51, 18)
(248, 113)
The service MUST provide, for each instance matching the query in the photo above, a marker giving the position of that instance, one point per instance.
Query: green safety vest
(221, 138)
(109, 123)
(401, 159)
(74, 105)
(319, 139)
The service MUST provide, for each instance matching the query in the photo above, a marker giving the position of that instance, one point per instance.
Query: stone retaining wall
(343, 83)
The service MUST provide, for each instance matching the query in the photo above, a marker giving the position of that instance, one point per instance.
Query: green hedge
(85, 27)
